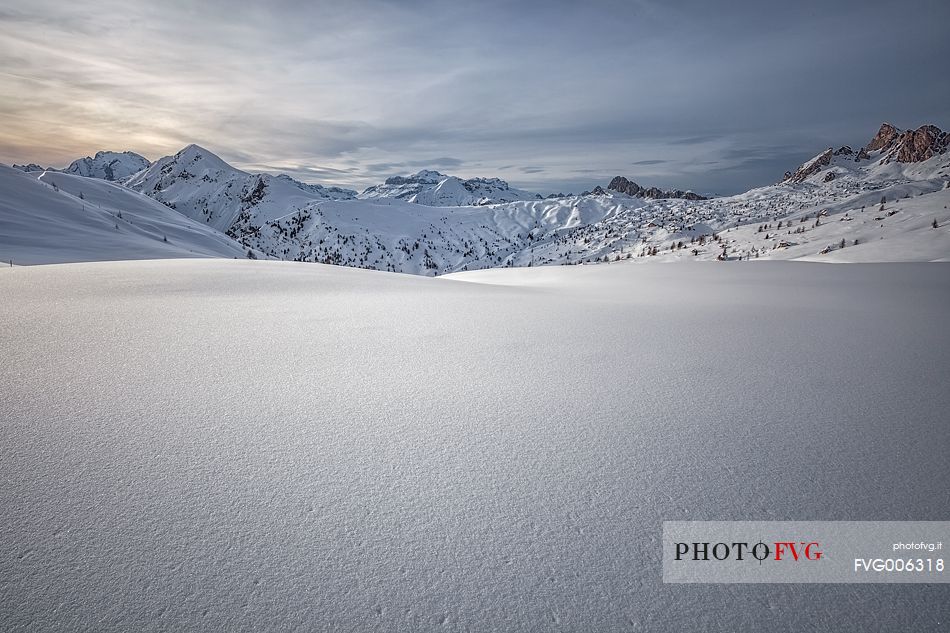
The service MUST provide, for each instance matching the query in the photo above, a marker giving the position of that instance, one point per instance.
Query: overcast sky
(717, 97)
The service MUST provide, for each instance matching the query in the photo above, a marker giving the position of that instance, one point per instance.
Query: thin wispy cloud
(527, 91)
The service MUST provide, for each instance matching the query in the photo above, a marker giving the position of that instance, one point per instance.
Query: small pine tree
(934, 225)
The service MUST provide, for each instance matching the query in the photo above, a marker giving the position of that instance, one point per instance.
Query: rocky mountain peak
(811, 167)
(883, 138)
(909, 146)
(621, 184)
(921, 144)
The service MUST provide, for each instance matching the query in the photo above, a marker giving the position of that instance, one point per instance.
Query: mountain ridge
(435, 189)
(889, 144)
(277, 217)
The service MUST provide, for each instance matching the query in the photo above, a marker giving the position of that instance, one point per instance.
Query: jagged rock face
(689, 195)
(811, 167)
(885, 136)
(889, 144)
(925, 142)
(622, 185)
(909, 146)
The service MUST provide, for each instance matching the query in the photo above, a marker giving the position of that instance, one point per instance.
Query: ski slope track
(220, 445)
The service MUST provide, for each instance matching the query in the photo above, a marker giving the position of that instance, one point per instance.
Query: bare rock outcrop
(885, 136)
(909, 146)
(810, 168)
(623, 185)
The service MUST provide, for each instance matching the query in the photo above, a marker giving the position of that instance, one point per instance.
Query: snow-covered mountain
(395, 234)
(828, 209)
(33, 167)
(890, 146)
(203, 187)
(51, 217)
(111, 166)
(434, 189)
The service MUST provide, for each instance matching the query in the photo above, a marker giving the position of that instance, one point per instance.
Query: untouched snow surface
(245, 446)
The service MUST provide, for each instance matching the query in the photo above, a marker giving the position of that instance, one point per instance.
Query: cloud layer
(550, 96)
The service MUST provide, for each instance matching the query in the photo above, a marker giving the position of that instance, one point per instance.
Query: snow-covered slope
(203, 187)
(433, 189)
(268, 446)
(50, 217)
(112, 166)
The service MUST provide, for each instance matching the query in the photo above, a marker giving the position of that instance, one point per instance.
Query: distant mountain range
(434, 189)
(194, 203)
(111, 166)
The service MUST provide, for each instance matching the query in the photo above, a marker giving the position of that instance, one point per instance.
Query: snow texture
(226, 445)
